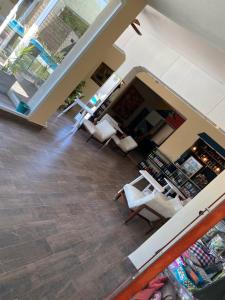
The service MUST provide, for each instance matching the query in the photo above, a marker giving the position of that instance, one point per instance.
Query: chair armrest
(136, 180)
(144, 200)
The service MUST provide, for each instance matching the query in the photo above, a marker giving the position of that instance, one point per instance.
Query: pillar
(82, 59)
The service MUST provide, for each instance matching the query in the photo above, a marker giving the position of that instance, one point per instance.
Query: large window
(37, 38)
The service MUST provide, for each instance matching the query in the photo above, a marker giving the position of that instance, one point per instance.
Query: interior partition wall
(99, 23)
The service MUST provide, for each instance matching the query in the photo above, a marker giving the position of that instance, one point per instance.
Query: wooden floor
(61, 235)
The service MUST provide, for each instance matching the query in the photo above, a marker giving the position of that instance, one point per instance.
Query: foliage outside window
(78, 25)
(77, 93)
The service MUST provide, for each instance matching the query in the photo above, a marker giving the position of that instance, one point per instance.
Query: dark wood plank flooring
(61, 235)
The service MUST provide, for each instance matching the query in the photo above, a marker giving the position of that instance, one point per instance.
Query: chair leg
(118, 195)
(127, 153)
(154, 212)
(155, 225)
(133, 214)
(105, 144)
(113, 146)
(81, 127)
(90, 137)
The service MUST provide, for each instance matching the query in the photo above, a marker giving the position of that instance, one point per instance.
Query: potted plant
(77, 93)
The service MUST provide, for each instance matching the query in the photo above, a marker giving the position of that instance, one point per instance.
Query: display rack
(194, 170)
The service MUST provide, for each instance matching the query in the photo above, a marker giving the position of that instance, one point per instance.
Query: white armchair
(103, 131)
(160, 207)
(126, 144)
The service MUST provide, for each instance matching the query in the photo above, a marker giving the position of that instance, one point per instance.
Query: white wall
(183, 61)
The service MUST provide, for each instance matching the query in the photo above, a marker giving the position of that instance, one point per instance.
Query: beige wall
(92, 57)
(114, 59)
(185, 136)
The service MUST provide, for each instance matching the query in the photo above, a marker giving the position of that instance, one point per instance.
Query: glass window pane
(38, 36)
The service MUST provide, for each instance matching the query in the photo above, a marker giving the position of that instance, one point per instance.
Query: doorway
(144, 115)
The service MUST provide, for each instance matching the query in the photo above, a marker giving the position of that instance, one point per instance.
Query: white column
(10, 16)
(33, 30)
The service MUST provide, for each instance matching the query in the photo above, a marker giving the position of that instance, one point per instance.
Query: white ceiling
(205, 17)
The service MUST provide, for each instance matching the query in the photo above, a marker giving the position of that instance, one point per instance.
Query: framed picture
(191, 166)
(128, 103)
(102, 74)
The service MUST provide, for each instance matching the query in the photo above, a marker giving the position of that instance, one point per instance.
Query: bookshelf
(193, 171)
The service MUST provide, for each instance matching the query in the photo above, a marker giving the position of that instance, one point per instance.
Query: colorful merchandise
(203, 254)
(157, 296)
(153, 286)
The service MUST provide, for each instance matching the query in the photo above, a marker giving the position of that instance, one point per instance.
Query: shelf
(220, 165)
(169, 177)
(183, 173)
(205, 149)
(174, 172)
(212, 144)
